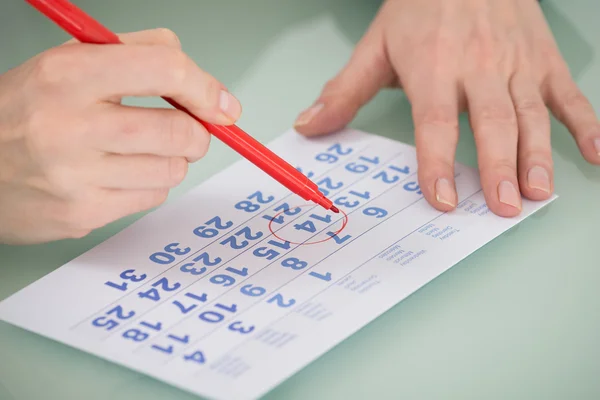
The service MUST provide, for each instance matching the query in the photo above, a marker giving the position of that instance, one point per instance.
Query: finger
(493, 120)
(112, 71)
(534, 163)
(573, 109)
(435, 115)
(160, 36)
(115, 171)
(162, 132)
(367, 71)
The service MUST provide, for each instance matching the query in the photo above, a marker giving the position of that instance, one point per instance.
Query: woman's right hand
(73, 158)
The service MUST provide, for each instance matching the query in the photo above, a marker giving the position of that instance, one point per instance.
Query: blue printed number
(228, 280)
(345, 202)
(326, 184)
(253, 291)
(162, 284)
(270, 253)
(412, 187)
(332, 154)
(391, 177)
(294, 263)
(128, 275)
(281, 302)
(282, 209)
(168, 255)
(324, 277)
(185, 339)
(247, 234)
(363, 166)
(375, 212)
(197, 357)
(214, 317)
(249, 205)
(212, 227)
(110, 323)
(338, 239)
(309, 226)
(187, 307)
(137, 335)
(190, 267)
(238, 327)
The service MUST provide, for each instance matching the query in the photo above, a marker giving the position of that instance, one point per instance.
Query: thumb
(367, 71)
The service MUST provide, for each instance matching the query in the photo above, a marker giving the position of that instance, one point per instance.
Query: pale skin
(73, 159)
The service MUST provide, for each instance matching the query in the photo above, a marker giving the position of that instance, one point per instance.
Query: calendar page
(234, 287)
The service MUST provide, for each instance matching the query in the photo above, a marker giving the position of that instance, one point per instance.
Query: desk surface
(519, 319)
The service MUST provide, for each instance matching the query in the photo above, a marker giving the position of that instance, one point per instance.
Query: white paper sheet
(201, 295)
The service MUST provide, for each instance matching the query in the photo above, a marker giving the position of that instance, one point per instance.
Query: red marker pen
(87, 30)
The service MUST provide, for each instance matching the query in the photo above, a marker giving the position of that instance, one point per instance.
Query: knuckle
(177, 66)
(497, 114)
(530, 108)
(181, 132)
(55, 66)
(169, 36)
(574, 99)
(443, 116)
(61, 182)
(177, 170)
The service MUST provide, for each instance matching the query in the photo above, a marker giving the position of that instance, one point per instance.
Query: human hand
(496, 59)
(73, 158)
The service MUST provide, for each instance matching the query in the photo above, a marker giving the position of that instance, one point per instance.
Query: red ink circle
(344, 223)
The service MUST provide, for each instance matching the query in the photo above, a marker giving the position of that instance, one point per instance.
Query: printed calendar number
(282, 209)
(216, 316)
(196, 357)
(280, 301)
(392, 177)
(229, 279)
(333, 153)
(212, 227)
(247, 237)
(111, 318)
(412, 187)
(351, 201)
(375, 212)
(205, 259)
(363, 166)
(127, 275)
(158, 287)
(168, 255)
(326, 185)
(168, 349)
(270, 253)
(249, 204)
(186, 305)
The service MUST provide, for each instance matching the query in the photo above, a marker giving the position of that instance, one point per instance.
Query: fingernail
(597, 145)
(508, 194)
(444, 192)
(230, 106)
(538, 178)
(306, 116)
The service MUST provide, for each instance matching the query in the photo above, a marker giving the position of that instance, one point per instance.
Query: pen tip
(334, 209)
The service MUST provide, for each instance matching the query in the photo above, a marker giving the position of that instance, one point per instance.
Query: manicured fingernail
(597, 145)
(306, 116)
(538, 178)
(508, 194)
(230, 106)
(444, 192)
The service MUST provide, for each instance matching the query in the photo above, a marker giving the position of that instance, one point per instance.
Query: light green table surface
(519, 319)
